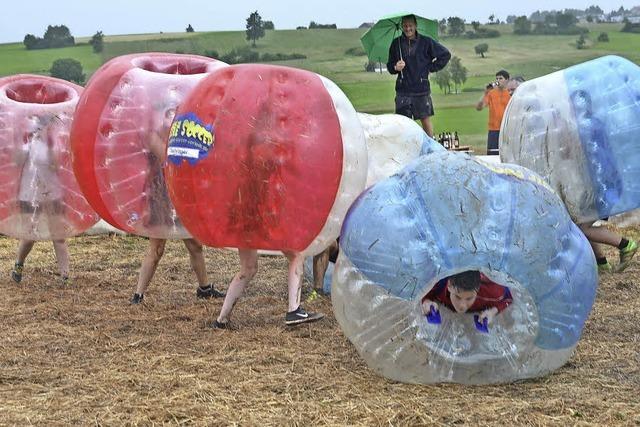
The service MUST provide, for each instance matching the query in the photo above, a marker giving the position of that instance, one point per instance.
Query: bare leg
(248, 269)
(62, 257)
(320, 264)
(24, 247)
(600, 235)
(597, 250)
(427, 126)
(296, 263)
(150, 263)
(196, 257)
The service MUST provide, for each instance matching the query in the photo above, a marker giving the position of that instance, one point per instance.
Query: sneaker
(299, 315)
(209, 292)
(137, 298)
(313, 295)
(605, 268)
(626, 254)
(219, 325)
(16, 273)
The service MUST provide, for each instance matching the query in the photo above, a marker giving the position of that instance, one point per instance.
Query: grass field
(81, 355)
(530, 56)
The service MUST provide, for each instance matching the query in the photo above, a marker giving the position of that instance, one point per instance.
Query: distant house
(634, 19)
(366, 25)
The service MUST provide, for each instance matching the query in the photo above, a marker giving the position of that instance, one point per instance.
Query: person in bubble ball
(469, 291)
(160, 215)
(40, 193)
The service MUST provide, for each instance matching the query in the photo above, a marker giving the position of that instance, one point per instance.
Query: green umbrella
(377, 39)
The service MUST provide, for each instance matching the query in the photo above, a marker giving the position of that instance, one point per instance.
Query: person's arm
(440, 55)
(483, 101)
(495, 296)
(488, 314)
(157, 146)
(427, 304)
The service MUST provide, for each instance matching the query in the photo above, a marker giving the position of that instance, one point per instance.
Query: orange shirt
(497, 101)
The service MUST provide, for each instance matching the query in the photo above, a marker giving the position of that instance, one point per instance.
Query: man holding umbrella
(412, 57)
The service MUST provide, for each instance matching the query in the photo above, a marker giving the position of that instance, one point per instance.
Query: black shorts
(492, 142)
(414, 107)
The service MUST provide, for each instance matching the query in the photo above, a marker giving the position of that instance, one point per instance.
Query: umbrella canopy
(377, 39)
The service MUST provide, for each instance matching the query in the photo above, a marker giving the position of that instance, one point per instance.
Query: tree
(581, 42)
(481, 49)
(97, 42)
(442, 26)
(58, 36)
(475, 25)
(67, 69)
(565, 20)
(456, 26)
(522, 25)
(255, 27)
(594, 10)
(589, 18)
(30, 41)
(189, 29)
(492, 18)
(458, 72)
(268, 25)
(443, 79)
(511, 19)
(603, 37)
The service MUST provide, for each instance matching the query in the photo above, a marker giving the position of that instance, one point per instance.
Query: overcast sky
(85, 17)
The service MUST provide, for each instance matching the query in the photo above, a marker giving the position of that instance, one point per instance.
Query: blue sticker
(189, 139)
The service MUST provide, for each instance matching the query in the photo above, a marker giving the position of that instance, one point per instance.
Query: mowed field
(81, 355)
(529, 56)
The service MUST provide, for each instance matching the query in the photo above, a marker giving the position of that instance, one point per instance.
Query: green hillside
(530, 56)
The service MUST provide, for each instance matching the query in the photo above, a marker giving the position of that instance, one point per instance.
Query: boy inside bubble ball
(469, 291)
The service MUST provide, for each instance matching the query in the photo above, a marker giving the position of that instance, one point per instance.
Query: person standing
(412, 57)
(496, 97)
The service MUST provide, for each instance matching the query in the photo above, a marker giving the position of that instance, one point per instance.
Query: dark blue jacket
(422, 56)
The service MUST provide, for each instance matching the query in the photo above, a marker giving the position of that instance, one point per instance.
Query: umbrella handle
(400, 52)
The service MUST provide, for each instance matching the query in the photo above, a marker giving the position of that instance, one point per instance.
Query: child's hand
(488, 314)
(426, 306)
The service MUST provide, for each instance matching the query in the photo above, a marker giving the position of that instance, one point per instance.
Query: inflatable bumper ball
(392, 142)
(444, 214)
(580, 129)
(39, 195)
(120, 134)
(266, 157)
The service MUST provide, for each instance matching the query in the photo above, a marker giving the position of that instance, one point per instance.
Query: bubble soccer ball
(266, 157)
(578, 128)
(444, 214)
(393, 141)
(119, 138)
(39, 195)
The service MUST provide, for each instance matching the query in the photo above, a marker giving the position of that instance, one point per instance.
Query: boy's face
(461, 300)
(502, 82)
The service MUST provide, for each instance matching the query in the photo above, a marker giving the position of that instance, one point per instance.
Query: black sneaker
(16, 273)
(219, 325)
(299, 315)
(209, 292)
(137, 298)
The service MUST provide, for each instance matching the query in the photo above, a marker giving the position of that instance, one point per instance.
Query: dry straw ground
(82, 355)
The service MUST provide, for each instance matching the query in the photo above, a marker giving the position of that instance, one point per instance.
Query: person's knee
(157, 250)
(195, 249)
